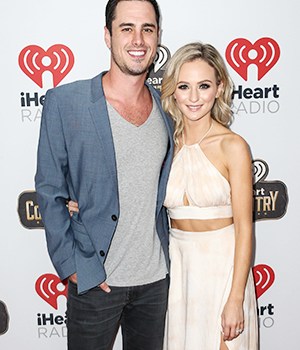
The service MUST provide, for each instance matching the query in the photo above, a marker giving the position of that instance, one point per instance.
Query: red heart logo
(264, 277)
(34, 61)
(47, 288)
(265, 53)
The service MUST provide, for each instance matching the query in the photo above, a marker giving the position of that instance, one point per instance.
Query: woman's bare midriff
(195, 225)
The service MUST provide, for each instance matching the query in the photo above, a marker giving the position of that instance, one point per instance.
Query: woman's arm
(238, 160)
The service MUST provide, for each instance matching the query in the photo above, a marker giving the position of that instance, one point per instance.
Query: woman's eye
(182, 87)
(204, 86)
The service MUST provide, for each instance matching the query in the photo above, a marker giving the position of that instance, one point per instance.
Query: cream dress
(202, 262)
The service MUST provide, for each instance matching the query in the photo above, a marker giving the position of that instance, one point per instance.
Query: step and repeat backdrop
(46, 44)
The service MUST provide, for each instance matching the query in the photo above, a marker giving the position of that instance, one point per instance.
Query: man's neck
(122, 87)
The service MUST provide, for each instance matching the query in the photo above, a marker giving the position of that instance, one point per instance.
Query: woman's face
(196, 90)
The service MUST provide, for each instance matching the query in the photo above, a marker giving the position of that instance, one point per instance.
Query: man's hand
(73, 278)
(104, 286)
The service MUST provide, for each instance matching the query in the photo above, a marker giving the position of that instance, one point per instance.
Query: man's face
(134, 38)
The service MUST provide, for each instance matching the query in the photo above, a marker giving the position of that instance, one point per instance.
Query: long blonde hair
(221, 110)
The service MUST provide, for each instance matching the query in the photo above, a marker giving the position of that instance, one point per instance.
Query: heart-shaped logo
(264, 53)
(264, 277)
(260, 170)
(34, 61)
(49, 287)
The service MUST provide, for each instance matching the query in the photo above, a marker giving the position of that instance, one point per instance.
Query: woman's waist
(197, 219)
(194, 225)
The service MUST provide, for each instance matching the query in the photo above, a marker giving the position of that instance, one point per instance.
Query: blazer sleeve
(52, 188)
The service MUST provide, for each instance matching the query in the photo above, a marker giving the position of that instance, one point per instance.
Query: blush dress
(202, 262)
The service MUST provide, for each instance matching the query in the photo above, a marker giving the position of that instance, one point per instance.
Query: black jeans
(93, 318)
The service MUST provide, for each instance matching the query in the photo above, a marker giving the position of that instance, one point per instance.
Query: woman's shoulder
(231, 144)
(231, 140)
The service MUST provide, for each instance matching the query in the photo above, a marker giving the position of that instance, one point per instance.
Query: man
(107, 144)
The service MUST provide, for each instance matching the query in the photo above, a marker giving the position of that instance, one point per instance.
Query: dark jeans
(93, 318)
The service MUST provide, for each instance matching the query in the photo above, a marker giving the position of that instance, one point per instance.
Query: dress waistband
(188, 235)
(192, 212)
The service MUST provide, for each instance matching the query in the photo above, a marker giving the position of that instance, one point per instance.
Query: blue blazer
(76, 159)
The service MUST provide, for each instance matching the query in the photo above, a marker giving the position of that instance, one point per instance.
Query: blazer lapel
(98, 110)
(169, 156)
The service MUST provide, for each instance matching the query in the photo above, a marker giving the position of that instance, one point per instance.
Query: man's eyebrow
(124, 24)
(149, 25)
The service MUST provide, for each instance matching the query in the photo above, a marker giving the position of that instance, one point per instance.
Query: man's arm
(52, 188)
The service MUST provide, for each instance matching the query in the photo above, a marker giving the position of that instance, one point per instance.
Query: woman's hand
(73, 207)
(232, 319)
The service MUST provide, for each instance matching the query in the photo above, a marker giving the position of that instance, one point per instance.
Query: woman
(212, 304)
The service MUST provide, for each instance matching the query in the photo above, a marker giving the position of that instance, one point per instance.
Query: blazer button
(102, 253)
(114, 217)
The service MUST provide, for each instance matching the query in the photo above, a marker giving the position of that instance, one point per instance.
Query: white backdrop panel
(270, 125)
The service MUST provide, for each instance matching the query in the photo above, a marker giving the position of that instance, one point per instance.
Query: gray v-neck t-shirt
(135, 256)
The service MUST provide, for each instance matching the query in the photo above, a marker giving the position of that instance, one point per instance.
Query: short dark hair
(110, 12)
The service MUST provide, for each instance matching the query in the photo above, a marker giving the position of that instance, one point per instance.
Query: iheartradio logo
(157, 69)
(34, 61)
(161, 58)
(49, 287)
(264, 277)
(241, 53)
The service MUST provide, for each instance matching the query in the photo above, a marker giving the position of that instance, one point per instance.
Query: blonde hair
(221, 110)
